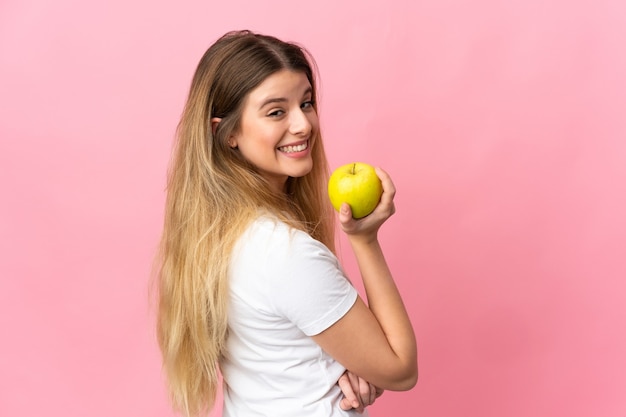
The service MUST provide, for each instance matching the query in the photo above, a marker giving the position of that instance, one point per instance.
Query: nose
(299, 123)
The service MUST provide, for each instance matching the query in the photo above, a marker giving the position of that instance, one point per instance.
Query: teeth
(289, 149)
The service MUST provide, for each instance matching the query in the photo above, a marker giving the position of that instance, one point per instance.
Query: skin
(381, 330)
(358, 393)
(278, 114)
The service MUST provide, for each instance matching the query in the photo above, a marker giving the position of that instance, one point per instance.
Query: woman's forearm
(384, 300)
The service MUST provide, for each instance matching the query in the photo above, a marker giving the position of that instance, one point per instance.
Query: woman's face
(278, 127)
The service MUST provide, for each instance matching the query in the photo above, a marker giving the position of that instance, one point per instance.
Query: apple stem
(353, 169)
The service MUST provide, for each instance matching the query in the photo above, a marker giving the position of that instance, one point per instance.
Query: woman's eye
(276, 113)
(307, 104)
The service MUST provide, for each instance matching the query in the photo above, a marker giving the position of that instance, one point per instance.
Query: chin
(303, 172)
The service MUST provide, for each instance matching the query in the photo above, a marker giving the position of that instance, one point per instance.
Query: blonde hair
(212, 195)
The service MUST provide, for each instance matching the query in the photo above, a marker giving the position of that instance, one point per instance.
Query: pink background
(502, 123)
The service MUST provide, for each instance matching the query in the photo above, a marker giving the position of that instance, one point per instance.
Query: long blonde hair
(212, 195)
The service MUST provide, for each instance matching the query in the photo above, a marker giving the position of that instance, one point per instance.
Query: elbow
(411, 381)
(408, 378)
(408, 381)
(405, 380)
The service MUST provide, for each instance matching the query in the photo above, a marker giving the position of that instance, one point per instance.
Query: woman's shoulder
(268, 232)
(267, 223)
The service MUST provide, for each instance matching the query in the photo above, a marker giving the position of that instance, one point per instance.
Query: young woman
(249, 285)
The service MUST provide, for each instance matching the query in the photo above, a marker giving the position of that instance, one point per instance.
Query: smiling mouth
(294, 148)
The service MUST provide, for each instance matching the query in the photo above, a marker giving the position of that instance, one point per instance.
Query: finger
(345, 405)
(364, 392)
(345, 214)
(348, 391)
(372, 394)
(389, 189)
(386, 207)
(382, 174)
(356, 386)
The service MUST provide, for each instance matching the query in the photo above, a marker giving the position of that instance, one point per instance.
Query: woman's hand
(367, 227)
(358, 393)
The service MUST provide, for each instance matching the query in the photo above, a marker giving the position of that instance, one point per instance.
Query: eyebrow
(271, 100)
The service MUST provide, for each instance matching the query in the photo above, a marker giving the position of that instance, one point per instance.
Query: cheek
(263, 142)
(314, 121)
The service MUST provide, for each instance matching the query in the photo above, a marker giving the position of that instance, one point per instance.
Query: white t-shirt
(284, 287)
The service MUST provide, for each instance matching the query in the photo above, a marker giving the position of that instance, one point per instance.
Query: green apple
(356, 184)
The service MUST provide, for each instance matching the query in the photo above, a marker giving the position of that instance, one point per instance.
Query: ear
(214, 122)
(232, 142)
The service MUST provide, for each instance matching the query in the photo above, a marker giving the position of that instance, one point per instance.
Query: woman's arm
(376, 342)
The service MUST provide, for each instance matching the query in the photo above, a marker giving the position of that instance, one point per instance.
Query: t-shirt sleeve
(307, 285)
